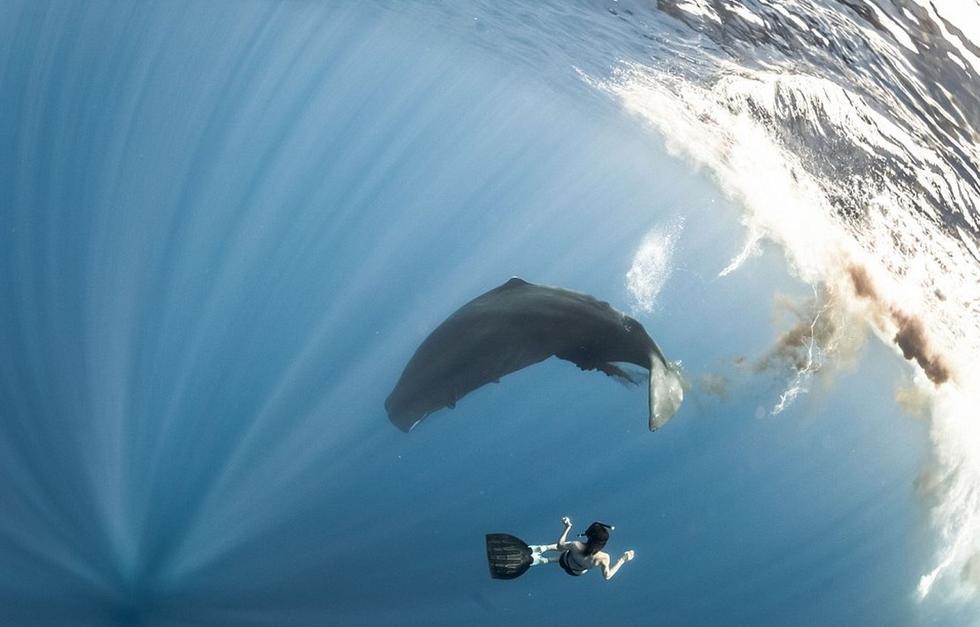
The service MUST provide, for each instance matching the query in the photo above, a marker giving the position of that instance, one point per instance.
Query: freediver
(510, 557)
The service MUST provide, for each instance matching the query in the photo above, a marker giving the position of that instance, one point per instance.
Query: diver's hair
(598, 534)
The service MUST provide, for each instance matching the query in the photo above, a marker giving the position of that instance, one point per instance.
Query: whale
(519, 324)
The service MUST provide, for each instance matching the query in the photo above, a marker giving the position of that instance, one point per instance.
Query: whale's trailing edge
(666, 392)
(519, 324)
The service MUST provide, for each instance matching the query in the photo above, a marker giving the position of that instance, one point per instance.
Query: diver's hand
(628, 555)
(565, 520)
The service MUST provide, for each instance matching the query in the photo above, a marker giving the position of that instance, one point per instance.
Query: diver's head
(598, 534)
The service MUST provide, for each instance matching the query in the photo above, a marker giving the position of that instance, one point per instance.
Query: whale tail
(666, 391)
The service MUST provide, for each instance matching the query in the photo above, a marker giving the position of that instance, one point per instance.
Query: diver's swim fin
(509, 557)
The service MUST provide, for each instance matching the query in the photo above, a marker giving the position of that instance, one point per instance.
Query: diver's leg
(538, 551)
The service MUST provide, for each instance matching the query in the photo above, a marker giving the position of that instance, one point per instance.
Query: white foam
(695, 7)
(750, 249)
(965, 15)
(652, 265)
(894, 28)
(716, 124)
(745, 13)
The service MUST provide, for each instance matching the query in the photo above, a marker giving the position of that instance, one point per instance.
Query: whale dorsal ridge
(514, 281)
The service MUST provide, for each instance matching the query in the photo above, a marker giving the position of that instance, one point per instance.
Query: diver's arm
(602, 559)
(563, 539)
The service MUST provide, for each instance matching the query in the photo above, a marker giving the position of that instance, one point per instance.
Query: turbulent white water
(850, 139)
(652, 265)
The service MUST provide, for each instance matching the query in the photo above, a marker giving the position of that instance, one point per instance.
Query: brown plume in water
(821, 327)
(911, 336)
(971, 570)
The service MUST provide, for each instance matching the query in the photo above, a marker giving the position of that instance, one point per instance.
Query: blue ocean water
(227, 226)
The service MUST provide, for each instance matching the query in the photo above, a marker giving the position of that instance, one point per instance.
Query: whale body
(519, 324)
